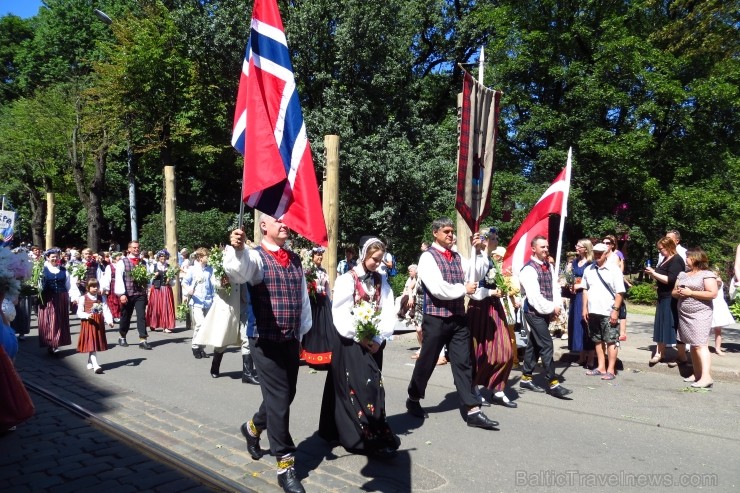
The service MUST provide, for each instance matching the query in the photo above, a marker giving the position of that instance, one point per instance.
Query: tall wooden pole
(50, 223)
(257, 231)
(331, 204)
(170, 224)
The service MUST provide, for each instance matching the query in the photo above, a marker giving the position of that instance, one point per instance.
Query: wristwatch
(615, 308)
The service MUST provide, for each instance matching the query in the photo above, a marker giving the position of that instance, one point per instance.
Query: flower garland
(140, 275)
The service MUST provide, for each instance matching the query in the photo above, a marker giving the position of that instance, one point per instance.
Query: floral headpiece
(163, 252)
(52, 250)
(317, 250)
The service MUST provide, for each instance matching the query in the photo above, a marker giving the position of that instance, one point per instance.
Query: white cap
(601, 247)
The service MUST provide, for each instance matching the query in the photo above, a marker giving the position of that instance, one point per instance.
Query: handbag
(16, 405)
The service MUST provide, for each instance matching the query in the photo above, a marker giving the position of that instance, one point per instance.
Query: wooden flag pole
(330, 204)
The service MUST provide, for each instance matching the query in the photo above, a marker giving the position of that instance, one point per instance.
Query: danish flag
(269, 131)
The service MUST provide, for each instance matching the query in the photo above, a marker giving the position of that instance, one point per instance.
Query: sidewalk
(635, 352)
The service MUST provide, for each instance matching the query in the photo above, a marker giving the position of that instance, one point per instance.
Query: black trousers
(539, 345)
(437, 332)
(277, 368)
(137, 303)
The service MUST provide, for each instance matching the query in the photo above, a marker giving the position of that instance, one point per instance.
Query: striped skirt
(160, 309)
(54, 320)
(492, 352)
(92, 335)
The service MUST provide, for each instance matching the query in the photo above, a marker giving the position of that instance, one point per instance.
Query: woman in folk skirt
(160, 309)
(94, 315)
(54, 304)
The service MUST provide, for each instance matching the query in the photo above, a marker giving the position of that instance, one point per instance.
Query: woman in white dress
(721, 315)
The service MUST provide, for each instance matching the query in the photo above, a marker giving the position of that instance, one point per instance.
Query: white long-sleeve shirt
(530, 286)
(246, 266)
(430, 275)
(83, 315)
(344, 301)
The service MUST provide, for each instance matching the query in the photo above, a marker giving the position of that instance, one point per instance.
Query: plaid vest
(452, 273)
(544, 278)
(132, 289)
(277, 301)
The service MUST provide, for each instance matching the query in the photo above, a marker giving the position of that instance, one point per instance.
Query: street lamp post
(129, 158)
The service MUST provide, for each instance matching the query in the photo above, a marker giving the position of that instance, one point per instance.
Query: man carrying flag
(279, 180)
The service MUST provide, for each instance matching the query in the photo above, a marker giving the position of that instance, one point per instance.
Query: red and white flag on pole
(553, 201)
(269, 131)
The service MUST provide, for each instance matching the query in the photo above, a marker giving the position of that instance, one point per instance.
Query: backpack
(392, 271)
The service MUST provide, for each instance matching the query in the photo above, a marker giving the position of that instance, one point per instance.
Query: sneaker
(530, 385)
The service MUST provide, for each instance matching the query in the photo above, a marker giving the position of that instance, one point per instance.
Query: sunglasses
(607, 242)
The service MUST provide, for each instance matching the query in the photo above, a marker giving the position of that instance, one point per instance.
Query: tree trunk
(97, 188)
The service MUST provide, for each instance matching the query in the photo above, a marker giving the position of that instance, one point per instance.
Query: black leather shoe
(480, 420)
(250, 378)
(499, 401)
(122, 342)
(415, 409)
(196, 353)
(560, 392)
(145, 345)
(530, 385)
(289, 482)
(203, 354)
(253, 443)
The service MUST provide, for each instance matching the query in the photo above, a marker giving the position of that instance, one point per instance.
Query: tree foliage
(646, 93)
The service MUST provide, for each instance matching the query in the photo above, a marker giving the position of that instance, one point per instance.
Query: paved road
(643, 426)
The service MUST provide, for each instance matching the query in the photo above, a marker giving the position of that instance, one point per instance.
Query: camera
(488, 234)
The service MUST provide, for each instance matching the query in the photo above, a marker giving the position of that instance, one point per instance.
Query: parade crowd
(276, 305)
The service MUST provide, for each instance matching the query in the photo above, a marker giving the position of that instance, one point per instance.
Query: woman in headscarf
(356, 417)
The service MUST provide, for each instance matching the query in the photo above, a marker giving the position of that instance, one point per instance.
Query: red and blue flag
(269, 131)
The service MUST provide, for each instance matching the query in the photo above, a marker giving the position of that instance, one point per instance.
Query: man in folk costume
(543, 305)
(282, 312)
(132, 297)
(442, 272)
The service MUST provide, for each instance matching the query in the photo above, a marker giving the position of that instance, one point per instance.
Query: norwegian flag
(553, 201)
(269, 131)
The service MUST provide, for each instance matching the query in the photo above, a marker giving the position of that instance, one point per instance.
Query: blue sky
(21, 8)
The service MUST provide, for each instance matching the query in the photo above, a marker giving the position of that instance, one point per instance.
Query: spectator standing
(579, 340)
(348, 262)
(603, 294)
(695, 290)
(665, 326)
(721, 315)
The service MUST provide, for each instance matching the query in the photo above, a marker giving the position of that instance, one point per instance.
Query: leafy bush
(194, 229)
(397, 283)
(735, 309)
(643, 294)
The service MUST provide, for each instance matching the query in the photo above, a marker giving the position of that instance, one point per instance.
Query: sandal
(594, 373)
(608, 376)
